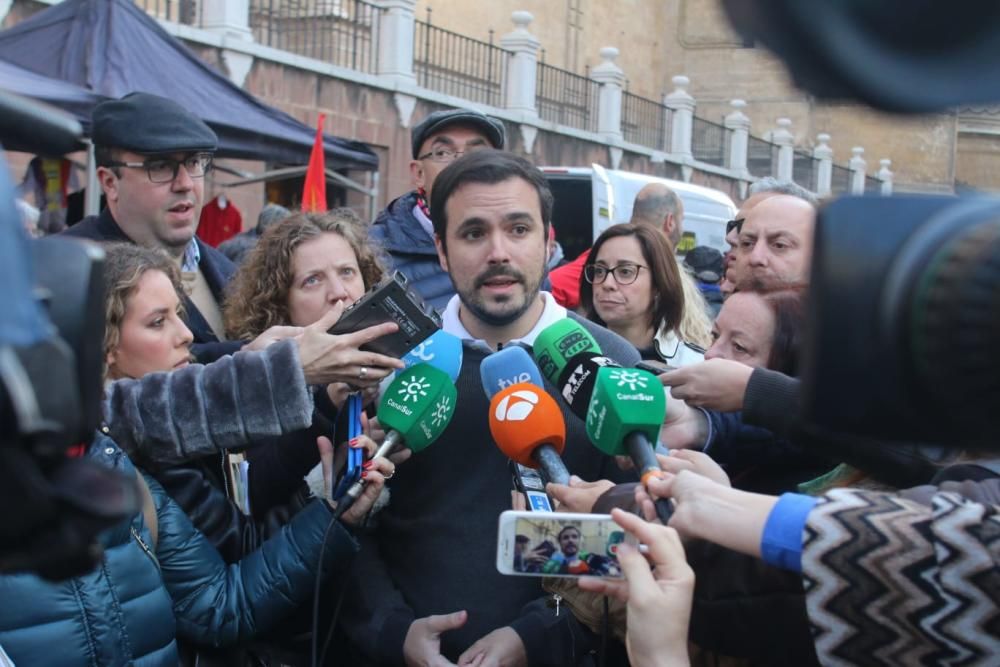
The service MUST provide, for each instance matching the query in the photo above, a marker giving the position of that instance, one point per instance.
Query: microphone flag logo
(634, 380)
(414, 388)
(442, 412)
(516, 406)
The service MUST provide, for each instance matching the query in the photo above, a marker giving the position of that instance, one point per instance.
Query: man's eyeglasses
(448, 154)
(165, 170)
(625, 274)
(736, 224)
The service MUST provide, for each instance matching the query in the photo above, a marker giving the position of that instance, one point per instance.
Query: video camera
(51, 385)
(903, 339)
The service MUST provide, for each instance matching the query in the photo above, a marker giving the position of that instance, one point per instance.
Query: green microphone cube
(625, 400)
(418, 404)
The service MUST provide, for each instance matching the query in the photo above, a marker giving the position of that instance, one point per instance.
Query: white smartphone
(559, 544)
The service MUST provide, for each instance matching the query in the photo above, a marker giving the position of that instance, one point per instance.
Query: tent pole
(373, 197)
(92, 197)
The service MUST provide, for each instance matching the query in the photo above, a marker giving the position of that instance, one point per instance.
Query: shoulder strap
(148, 509)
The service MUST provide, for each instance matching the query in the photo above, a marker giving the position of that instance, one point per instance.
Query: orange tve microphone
(528, 427)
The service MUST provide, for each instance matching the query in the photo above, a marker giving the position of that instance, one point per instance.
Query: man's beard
(479, 309)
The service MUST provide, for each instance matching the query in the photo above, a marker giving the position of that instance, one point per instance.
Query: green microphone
(624, 417)
(558, 343)
(415, 410)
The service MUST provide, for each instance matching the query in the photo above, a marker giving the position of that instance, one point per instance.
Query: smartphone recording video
(553, 544)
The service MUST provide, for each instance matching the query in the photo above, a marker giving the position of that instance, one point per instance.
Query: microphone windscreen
(624, 400)
(558, 343)
(419, 403)
(508, 366)
(522, 417)
(441, 350)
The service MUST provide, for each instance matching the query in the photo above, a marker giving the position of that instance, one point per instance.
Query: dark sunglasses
(736, 224)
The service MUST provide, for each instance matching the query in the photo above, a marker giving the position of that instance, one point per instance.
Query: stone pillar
(738, 124)
(227, 17)
(522, 65)
(824, 170)
(783, 138)
(395, 40)
(682, 104)
(231, 19)
(609, 108)
(885, 175)
(857, 165)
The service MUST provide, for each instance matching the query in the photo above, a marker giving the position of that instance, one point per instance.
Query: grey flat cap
(145, 123)
(491, 128)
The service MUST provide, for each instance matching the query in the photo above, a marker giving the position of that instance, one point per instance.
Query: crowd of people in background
(226, 397)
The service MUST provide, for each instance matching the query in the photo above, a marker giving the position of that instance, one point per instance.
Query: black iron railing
(873, 186)
(457, 65)
(646, 122)
(709, 141)
(840, 181)
(805, 170)
(339, 32)
(187, 12)
(762, 156)
(566, 98)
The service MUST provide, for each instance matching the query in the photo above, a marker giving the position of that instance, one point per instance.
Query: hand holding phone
(558, 544)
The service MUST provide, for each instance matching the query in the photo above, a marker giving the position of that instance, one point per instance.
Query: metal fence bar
(457, 65)
(187, 12)
(566, 98)
(873, 186)
(762, 156)
(339, 32)
(840, 181)
(645, 122)
(804, 170)
(709, 141)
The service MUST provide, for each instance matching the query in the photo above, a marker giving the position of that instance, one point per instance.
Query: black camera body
(904, 321)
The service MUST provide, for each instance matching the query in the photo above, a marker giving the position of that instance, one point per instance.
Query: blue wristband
(781, 543)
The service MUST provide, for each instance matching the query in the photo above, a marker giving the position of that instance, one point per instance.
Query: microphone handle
(393, 440)
(551, 463)
(643, 457)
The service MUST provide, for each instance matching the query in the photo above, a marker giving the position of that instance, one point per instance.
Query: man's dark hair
(104, 156)
(569, 527)
(488, 167)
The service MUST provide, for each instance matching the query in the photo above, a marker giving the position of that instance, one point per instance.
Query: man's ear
(109, 183)
(417, 174)
(442, 255)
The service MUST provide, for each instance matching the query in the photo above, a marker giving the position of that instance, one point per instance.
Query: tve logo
(516, 407)
(523, 377)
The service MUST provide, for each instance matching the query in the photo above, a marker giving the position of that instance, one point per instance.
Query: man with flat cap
(404, 228)
(152, 157)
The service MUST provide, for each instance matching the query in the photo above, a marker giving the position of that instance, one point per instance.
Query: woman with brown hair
(631, 284)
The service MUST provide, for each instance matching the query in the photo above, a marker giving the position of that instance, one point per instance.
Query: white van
(591, 199)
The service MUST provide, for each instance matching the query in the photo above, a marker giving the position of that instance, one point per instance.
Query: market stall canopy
(112, 48)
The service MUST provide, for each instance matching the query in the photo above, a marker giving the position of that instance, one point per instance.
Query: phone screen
(559, 545)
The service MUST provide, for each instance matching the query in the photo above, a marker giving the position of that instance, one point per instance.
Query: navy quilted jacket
(411, 251)
(134, 605)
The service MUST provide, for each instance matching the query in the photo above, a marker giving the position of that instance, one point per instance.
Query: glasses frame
(209, 158)
(588, 273)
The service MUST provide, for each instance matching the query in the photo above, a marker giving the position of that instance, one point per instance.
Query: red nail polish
(364, 474)
(353, 442)
(367, 465)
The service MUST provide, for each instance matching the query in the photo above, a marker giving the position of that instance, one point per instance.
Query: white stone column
(395, 40)
(739, 125)
(824, 170)
(609, 107)
(227, 17)
(231, 19)
(682, 104)
(857, 165)
(885, 175)
(522, 65)
(783, 138)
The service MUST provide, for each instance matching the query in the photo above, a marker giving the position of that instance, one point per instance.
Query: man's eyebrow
(518, 216)
(782, 233)
(442, 139)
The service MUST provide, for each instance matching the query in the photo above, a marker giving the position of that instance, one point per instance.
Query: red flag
(314, 191)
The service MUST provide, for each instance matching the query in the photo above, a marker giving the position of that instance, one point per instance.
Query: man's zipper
(149, 552)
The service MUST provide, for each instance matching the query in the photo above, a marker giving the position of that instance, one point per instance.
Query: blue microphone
(441, 350)
(506, 367)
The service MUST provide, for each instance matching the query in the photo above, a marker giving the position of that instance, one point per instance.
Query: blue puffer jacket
(410, 250)
(130, 609)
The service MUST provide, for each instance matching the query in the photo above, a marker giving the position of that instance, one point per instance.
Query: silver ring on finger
(389, 476)
(364, 373)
